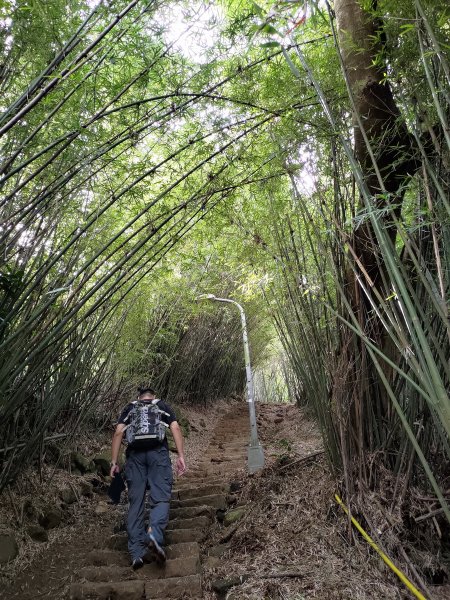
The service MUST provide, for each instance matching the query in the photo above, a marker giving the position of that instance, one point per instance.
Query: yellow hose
(386, 559)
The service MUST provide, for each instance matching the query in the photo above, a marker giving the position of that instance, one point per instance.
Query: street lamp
(255, 460)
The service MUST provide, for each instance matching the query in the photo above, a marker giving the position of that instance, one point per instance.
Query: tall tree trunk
(384, 150)
(384, 147)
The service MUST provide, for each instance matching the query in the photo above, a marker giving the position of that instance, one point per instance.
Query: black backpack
(145, 423)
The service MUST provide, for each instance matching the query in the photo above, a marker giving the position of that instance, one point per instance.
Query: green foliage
(285, 444)
(136, 177)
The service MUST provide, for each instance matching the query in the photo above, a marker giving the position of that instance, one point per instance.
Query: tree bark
(384, 147)
(361, 41)
(385, 152)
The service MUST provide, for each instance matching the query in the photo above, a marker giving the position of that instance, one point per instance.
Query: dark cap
(146, 390)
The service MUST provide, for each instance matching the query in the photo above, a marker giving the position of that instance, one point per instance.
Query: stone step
(177, 567)
(197, 483)
(228, 459)
(241, 438)
(220, 466)
(204, 476)
(201, 490)
(201, 473)
(224, 451)
(194, 482)
(190, 486)
(195, 471)
(174, 588)
(191, 523)
(179, 536)
(216, 501)
(237, 431)
(228, 473)
(225, 470)
(237, 418)
(182, 549)
(120, 590)
(102, 558)
(229, 452)
(238, 455)
(192, 511)
(118, 542)
(197, 477)
(227, 445)
(230, 437)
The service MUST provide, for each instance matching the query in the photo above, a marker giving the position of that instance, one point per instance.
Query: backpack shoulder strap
(163, 412)
(132, 404)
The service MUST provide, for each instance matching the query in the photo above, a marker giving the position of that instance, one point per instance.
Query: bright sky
(193, 30)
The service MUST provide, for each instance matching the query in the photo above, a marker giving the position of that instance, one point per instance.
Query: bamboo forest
(177, 175)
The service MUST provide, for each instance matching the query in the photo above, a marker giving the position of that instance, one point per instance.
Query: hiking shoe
(156, 551)
(137, 564)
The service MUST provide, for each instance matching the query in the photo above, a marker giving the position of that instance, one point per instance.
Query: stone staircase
(196, 499)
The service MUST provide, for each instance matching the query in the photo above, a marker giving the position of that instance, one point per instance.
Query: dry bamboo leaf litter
(293, 524)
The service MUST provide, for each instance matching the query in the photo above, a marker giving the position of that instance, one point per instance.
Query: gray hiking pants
(147, 470)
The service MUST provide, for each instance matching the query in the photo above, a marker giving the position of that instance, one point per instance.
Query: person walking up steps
(143, 423)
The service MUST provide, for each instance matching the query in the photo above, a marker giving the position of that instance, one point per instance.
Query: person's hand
(114, 469)
(180, 466)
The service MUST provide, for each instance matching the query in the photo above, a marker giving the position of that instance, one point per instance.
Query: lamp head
(206, 297)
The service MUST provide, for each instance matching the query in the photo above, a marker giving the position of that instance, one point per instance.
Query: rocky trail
(94, 563)
(196, 500)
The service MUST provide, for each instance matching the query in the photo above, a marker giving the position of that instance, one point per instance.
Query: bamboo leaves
(134, 178)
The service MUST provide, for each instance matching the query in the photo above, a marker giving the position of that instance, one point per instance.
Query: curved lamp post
(255, 450)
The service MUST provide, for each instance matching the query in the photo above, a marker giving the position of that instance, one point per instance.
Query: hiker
(147, 467)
